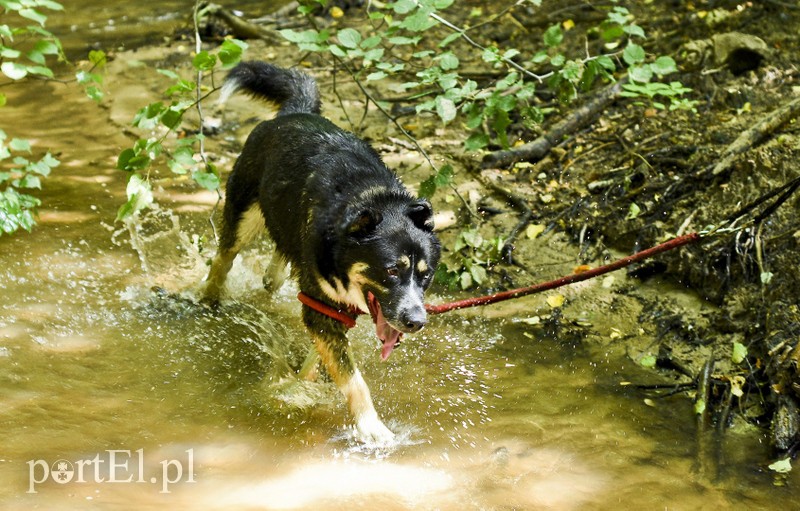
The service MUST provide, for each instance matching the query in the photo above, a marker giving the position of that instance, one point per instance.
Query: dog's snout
(413, 321)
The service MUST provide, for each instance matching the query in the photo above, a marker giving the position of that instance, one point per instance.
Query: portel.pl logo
(111, 466)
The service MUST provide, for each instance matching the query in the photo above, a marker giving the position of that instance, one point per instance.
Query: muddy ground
(684, 311)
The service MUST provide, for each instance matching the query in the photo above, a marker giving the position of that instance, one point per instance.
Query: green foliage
(175, 146)
(739, 353)
(443, 177)
(467, 265)
(17, 209)
(25, 47)
(389, 50)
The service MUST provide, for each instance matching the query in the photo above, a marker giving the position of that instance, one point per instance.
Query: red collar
(346, 317)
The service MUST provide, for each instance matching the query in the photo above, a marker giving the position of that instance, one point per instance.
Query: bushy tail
(294, 91)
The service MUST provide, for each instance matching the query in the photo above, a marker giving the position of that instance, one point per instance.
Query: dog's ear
(421, 213)
(361, 222)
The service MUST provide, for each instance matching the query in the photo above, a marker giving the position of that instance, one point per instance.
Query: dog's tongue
(390, 337)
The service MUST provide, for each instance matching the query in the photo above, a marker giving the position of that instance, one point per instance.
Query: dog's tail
(294, 91)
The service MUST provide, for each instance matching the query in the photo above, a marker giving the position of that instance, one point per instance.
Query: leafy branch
(181, 149)
(24, 52)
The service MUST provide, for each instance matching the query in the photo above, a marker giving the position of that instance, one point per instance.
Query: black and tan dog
(355, 238)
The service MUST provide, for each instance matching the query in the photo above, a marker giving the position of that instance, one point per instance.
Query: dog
(355, 238)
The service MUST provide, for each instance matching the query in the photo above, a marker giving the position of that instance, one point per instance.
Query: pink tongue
(389, 336)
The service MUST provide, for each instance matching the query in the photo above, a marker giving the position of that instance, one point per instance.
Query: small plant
(179, 148)
(434, 83)
(471, 258)
(25, 47)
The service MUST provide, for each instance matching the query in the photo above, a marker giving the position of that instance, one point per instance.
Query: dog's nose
(414, 321)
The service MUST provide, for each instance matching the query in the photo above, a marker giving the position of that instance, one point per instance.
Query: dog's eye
(393, 271)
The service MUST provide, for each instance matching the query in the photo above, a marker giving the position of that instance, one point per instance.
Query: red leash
(348, 316)
(567, 279)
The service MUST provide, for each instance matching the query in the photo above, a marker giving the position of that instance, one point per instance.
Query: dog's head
(391, 256)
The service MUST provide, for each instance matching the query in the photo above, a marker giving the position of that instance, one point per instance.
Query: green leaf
(49, 4)
(94, 93)
(40, 70)
(641, 74)
(447, 61)
(633, 211)
(476, 141)
(739, 353)
(9, 53)
(427, 188)
(208, 180)
(147, 117)
(2, 99)
(553, 35)
(449, 39)
(783, 466)
(648, 361)
(30, 181)
(371, 42)
(13, 70)
(633, 54)
(171, 118)
(306, 36)
(35, 56)
(50, 161)
(403, 6)
(446, 109)
(465, 280)
(378, 75)
(140, 195)
(97, 58)
(664, 66)
(445, 176)
(33, 15)
(401, 40)
(47, 47)
(204, 61)
(419, 21)
(20, 144)
(606, 63)
(373, 55)
(478, 274)
(634, 31)
(540, 57)
(349, 38)
(230, 53)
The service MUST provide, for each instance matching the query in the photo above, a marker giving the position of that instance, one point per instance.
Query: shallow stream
(114, 396)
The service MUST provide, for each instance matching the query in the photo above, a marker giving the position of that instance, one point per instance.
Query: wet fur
(337, 215)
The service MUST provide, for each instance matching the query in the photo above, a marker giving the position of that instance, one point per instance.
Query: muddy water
(113, 396)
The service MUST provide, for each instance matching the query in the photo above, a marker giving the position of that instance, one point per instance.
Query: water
(140, 399)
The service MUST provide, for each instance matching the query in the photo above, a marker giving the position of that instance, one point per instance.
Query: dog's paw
(372, 431)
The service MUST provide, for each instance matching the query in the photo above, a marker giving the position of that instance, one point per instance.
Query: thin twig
(198, 43)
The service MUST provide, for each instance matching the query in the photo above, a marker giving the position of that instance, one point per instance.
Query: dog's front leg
(331, 343)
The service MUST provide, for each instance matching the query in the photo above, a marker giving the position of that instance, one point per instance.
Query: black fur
(334, 210)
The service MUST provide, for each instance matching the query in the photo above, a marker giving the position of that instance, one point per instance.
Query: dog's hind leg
(332, 346)
(237, 231)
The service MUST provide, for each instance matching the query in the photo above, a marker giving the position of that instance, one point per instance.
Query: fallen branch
(755, 135)
(537, 149)
(241, 28)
